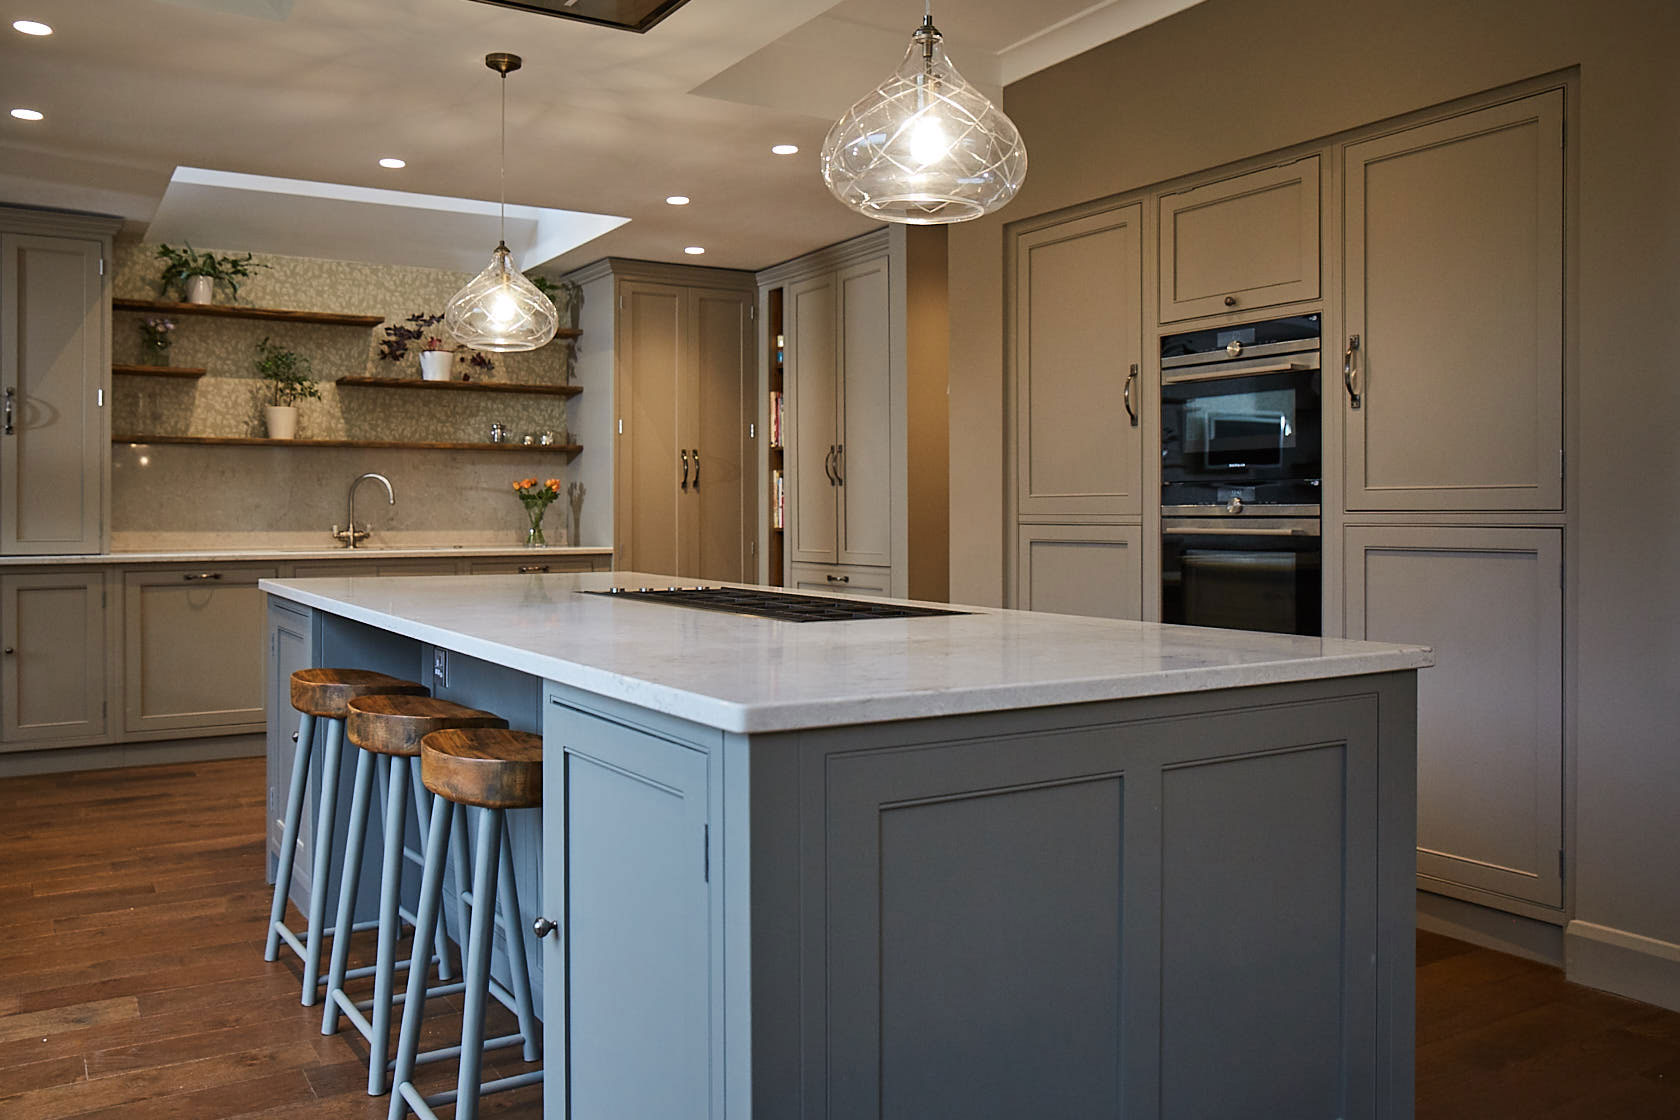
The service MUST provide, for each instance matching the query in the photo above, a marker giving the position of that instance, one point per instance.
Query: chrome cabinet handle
(685, 468)
(11, 408)
(1126, 394)
(1214, 531)
(839, 464)
(697, 468)
(194, 577)
(526, 569)
(1350, 370)
(839, 579)
(828, 466)
(542, 927)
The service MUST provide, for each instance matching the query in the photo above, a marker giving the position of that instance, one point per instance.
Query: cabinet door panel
(52, 675)
(812, 360)
(1078, 332)
(288, 651)
(1242, 243)
(841, 581)
(719, 405)
(1490, 713)
(1455, 288)
(193, 649)
(52, 361)
(651, 360)
(1081, 569)
(865, 438)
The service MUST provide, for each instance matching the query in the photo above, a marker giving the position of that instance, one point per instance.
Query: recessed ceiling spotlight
(678, 200)
(694, 250)
(31, 27)
(785, 149)
(393, 163)
(28, 114)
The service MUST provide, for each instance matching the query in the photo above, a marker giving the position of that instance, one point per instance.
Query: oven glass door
(1261, 431)
(1262, 574)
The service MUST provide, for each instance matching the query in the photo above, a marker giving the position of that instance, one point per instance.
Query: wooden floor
(132, 984)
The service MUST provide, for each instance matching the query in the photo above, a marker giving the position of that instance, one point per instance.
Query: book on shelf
(777, 495)
(775, 418)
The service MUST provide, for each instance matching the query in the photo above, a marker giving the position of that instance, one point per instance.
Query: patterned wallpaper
(186, 496)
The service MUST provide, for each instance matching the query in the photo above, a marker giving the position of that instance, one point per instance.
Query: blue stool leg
(460, 863)
(519, 972)
(423, 799)
(425, 921)
(390, 893)
(288, 840)
(485, 864)
(319, 857)
(349, 881)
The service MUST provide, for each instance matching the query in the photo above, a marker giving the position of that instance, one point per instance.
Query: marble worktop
(284, 555)
(743, 674)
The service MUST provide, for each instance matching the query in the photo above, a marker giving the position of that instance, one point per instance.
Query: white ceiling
(599, 120)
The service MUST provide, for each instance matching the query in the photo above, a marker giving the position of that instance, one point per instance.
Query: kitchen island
(981, 864)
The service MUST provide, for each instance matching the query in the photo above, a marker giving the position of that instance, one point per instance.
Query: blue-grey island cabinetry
(998, 864)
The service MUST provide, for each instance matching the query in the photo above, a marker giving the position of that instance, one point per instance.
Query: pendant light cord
(501, 234)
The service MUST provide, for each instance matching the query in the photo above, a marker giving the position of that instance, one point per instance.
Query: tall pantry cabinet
(1453, 401)
(684, 393)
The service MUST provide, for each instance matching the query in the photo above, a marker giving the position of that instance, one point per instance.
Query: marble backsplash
(167, 496)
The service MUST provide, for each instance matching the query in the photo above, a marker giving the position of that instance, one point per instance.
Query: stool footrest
(353, 1010)
(423, 1105)
(446, 1053)
(291, 939)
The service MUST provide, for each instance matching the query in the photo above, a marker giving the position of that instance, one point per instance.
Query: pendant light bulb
(499, 310)
(924, 147)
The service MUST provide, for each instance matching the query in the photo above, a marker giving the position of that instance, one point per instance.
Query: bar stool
(493, 770)
(318, 694)
(387, 729)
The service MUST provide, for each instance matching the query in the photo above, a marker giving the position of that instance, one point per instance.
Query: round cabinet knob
(1230, 301)
(542, 927)
(1235, 505)
(10, 651)
(1233, 348)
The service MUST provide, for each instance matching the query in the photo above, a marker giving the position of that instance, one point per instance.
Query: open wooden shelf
(225, 311)
(464, 386)
(159, 371)
(403, 445)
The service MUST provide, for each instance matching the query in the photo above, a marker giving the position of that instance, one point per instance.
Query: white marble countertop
(743, 674)
(233, 555)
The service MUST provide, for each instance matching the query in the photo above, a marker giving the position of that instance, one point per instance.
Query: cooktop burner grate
(777, 605)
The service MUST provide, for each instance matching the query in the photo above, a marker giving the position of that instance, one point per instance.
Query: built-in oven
(1241, 468)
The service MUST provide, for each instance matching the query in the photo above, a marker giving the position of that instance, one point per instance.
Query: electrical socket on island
(440, 667)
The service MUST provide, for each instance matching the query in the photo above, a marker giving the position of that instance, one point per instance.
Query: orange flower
(553, 484)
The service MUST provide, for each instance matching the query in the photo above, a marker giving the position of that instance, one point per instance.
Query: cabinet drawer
(193, 642)
(532, 565)
(1241, 243)
(849, 580)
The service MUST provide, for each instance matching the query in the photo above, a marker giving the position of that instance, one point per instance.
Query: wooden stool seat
(394, 723)
(492, 768)
(325, 693)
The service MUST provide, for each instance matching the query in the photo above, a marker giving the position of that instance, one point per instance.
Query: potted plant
(436, 359)
(288, 375)
(194, 275)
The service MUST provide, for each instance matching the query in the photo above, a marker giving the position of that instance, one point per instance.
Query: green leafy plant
(187, 261)
(287, 373)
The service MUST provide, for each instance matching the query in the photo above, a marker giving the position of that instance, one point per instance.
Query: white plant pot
(435, 365)
(201, 289)
(281, 419)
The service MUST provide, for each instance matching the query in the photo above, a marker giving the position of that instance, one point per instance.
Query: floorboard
(132, 985)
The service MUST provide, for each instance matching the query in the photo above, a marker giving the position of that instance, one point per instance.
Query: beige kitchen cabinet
(845, 580)
(536, 565)
(1454, 316)
(373, 565)
(193, 643)
(684, 391)
(55, 375)
(1490, 713)
(1080, 569)
(52, 671)
(1077, 366)
(1240, 244)
(838, 372)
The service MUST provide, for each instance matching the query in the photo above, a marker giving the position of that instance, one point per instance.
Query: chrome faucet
(351, 535)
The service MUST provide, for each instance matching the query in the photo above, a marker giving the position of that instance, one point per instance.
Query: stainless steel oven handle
(1126, 394)
(1212, 531)
(1223, 374)
(1350, 370)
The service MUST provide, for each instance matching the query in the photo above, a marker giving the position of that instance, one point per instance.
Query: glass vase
(154, 352)
(534, 535)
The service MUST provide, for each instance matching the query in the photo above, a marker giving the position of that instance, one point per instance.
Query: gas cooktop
(781, 606)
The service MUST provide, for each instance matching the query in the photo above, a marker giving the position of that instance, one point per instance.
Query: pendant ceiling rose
(924, 147)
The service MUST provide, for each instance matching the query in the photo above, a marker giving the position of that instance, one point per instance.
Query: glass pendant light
(925, 147)
(499, 309)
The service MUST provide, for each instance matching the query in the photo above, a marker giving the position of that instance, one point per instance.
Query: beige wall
(1235, 78)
